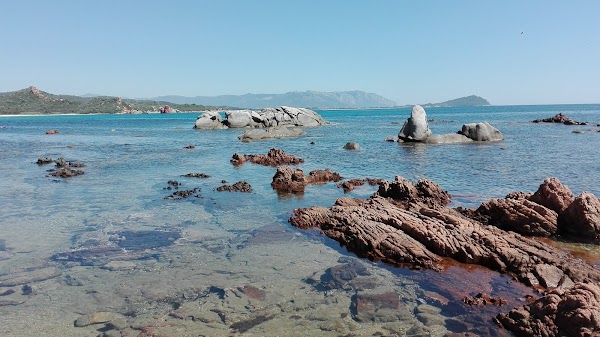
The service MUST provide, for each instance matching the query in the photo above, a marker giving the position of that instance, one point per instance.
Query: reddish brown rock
(294, 180)
(569, 312)
(554, 195)
(253, 292)
(581, 219)
(351, 184)
(424, 192)
(382, 307)
(52, 132)
(381, 229)
(274, 157)
(521, 216)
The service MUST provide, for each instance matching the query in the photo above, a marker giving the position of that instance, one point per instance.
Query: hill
(34, 101)
(305, 99)
(463, 101)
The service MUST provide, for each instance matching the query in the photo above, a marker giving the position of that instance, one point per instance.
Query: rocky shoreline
(410, 225)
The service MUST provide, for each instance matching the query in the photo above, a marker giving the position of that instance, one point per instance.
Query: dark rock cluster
(274, 157)
(559, 118)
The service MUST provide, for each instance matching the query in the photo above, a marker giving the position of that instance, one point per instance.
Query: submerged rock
(240, 186)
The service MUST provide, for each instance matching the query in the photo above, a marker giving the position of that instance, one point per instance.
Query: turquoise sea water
(180, 267)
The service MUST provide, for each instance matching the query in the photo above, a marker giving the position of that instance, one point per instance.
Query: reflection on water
(105, 254)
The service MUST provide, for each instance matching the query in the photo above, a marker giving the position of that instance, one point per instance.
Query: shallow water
(227, 263)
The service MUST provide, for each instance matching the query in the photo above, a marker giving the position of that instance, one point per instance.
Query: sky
(509, 52)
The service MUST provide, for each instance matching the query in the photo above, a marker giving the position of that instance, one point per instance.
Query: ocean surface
(106, 249)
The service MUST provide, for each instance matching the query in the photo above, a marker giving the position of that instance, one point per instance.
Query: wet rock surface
(240, 186)
(562, 312)
(482, 299)
(287, 179)
(275, 157)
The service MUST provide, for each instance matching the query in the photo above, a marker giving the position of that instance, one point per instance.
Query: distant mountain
(34, 101)
(463, 101)
(305, 99)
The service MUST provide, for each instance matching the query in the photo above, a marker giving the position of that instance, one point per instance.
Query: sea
(109, 253)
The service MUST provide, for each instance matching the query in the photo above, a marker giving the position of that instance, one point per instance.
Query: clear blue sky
(510, 52)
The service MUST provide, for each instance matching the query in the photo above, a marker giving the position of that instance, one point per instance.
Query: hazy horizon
(509, 53)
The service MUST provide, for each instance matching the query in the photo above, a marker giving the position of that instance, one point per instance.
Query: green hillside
(34, 101)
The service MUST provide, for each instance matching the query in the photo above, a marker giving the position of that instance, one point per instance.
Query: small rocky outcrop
(63, 168)
(416, 128)
(268, 133)
(287, 179)
(559, 118)
(166, 109)
(481, 132)
(265, 118)
(351, 184)
(52, 132)
(275, 157)
(573, 312)
(352, 146)
(196, 175)
(240, 186)
(581, 219)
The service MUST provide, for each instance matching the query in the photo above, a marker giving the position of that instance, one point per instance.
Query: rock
(482, 299)
(165, 109)
(275, 157)
(481, 132)
(189, 147)
(351, 184)
(239, 119)
(196, 175)
(52, 132)
(253, 292)
(102, 317)
(424, 192)
(287, 179)
(554, 195)
(562, 312)
(375, 307)
(210, 120)
(274, 132)
(352, 146)
(415, 235)
(559, 118)
(391, 139)
(415, 128)
(240, 186)
(119, 265)
(178, 195)
(265, 118)
(450, 138)
(66, 172)
(581, 219)
(44, 161)
(27, 276)
(521, 216)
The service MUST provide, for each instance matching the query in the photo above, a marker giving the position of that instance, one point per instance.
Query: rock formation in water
(559, 118)
(287, 179)
(265, 118)
(410, 224)
(267, 133)
(416, 129)
(275, 157)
